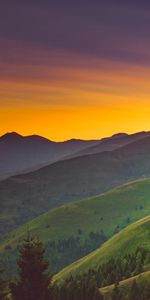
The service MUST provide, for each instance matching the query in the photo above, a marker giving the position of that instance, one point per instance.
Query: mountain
(127, 241)
(22, 154)
(112, 143)
(19, 154)
(27, 196)
(80, 225)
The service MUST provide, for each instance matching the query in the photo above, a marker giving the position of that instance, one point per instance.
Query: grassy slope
(136, 234)
(125, 285)
(104, 212)
(22, 198)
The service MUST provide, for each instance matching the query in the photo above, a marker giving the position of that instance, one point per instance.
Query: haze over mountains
(26, 196)
(22, 154)
(112, 143)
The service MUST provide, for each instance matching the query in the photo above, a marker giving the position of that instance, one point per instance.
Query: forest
(35, 281)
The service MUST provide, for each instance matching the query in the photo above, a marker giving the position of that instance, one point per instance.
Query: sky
(74, 69)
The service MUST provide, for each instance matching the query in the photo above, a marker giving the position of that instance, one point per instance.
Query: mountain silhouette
(19, 154)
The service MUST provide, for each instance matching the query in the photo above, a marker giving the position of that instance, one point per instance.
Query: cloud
(113, 31)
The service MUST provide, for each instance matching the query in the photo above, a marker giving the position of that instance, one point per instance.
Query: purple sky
(73, 61)
(114, 30)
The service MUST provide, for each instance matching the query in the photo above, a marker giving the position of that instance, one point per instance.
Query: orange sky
(64, 102)
(70, 70)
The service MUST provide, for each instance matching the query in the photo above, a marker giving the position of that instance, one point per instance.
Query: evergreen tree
(78, 289)
(33, 282)
(145, 290)
(3, 287)
(139, 263)
(116, 295)
(134, 292)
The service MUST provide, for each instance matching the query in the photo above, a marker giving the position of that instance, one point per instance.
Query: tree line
(65, 251)
(61, 252)
(120, 268)
(34, 280)
(137, 291)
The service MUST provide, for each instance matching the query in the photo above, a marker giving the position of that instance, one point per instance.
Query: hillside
(127, 241)
(125, 285)
(19, 154)
(27, 196)
(81, 221)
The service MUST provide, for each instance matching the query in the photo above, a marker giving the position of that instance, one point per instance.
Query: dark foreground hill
(20, 154)
(27, 196)
(73, 230)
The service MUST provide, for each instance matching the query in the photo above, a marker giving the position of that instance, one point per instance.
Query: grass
(125, 285)
(127, 241)
(109, 212)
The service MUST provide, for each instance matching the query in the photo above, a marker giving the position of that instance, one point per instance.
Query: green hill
(73, 230)
(25, 197)
(125, 285)
(127, 241)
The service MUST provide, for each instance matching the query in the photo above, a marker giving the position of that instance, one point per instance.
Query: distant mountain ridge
(29, 195)
(21, 154)
(112, 143)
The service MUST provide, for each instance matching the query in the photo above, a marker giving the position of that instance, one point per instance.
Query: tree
(134, 292)
(34, 281)
(78, 289)
(139, 263)
(3, 287)
(116, 295)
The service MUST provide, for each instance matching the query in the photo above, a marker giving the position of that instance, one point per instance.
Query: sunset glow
(84, 92)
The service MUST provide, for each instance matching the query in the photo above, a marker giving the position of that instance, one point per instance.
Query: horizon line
(73, 138)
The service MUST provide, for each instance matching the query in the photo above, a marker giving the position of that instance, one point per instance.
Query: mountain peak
(120, 134)
(11, 136)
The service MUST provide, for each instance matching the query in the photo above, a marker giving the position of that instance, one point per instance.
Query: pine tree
(139, 263)
(33, 282)
(116, 295)
(134, 292)
(3, 286)
(78, 289)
